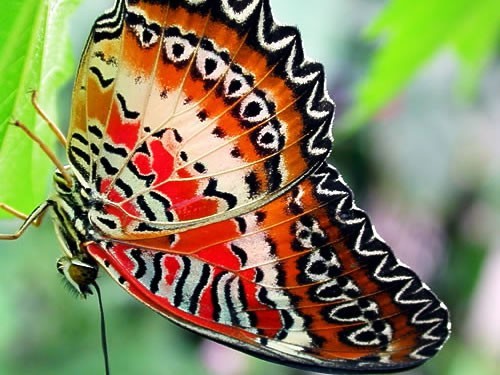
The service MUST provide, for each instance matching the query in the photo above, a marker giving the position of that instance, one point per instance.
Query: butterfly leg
(55, 129)
(13, 211)
(32, 219)
(47, 151)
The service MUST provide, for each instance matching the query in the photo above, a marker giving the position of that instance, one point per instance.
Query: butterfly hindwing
(304, 280)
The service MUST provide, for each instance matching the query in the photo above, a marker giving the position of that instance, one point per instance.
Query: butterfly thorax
(71, 205)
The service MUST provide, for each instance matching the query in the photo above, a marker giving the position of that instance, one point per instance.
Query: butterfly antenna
(104, 341)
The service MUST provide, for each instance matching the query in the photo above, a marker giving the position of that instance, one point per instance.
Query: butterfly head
(79, 274)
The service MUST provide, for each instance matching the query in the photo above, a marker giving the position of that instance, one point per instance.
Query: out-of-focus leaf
(35, 55)
(475, 41)
(414, 32)
(472, 360)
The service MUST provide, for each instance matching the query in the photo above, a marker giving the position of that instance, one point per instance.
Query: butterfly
(198, 179)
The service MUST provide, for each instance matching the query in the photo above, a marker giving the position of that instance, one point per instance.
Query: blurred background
(417, 137)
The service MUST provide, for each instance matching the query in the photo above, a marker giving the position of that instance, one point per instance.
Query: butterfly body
(198, 150)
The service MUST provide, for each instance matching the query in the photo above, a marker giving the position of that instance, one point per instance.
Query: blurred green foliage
(35, 55)
(412, 33)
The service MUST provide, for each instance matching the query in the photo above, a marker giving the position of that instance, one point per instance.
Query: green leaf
(414, 32)
(35, 53)
(475, 42)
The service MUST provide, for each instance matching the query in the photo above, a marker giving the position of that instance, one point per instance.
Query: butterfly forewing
(176, 77)
(201, 132)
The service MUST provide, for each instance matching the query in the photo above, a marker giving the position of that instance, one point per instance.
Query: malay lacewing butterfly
(198, 179)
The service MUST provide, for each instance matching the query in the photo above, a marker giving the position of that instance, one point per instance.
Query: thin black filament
(104, 341)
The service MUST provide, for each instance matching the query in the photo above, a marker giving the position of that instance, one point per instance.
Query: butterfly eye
(77, 274)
